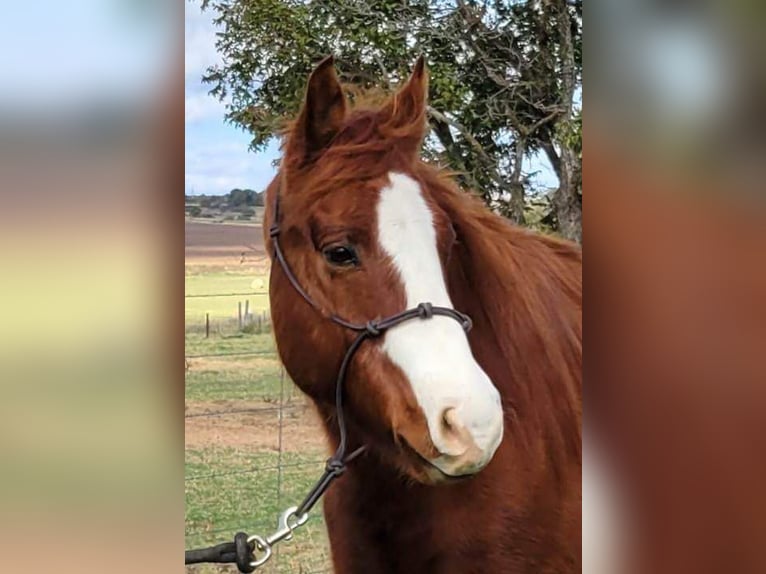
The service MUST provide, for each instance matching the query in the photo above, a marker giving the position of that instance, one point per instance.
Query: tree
(238, 197)
(244, 197)
(504, 78)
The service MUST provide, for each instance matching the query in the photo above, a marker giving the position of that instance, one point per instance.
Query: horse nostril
(455, 436)
(449, 419)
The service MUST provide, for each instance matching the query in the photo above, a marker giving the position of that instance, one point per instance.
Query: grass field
(245, 492)
(217, 286)
(253, 443)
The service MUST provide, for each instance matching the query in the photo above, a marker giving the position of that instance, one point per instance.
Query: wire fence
(253, 443)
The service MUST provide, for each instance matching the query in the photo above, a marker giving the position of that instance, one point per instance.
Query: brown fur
(523, 292)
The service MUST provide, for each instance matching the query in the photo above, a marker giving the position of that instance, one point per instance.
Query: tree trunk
(516, 187)
(567, 199)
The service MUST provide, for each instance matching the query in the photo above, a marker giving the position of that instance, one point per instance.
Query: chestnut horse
(473, 440)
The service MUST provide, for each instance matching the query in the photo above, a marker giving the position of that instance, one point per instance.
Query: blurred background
(91, 162)
(675, 392)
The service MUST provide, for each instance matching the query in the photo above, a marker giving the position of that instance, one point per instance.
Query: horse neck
(524, 294)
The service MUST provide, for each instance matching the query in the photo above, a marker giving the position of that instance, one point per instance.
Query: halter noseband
(336, 464)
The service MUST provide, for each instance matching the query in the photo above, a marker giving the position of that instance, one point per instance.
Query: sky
(217, 156)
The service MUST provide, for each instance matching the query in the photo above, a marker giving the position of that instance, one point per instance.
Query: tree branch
(463, 131)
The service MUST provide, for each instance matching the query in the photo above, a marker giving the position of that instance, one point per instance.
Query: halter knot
(373, 329)
(335, 467)
(425, 310)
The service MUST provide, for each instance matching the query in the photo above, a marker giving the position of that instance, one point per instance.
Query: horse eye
(341, 255)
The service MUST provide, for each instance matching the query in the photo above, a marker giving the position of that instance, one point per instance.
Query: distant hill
(237, 205)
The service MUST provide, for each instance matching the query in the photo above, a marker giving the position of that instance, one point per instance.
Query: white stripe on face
(461, 406)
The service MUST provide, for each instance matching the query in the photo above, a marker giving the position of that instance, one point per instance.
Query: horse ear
(322, 114)
(408, 107)
(405, 114)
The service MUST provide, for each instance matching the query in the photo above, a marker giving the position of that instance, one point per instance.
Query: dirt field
(222, 244)
(255, 431)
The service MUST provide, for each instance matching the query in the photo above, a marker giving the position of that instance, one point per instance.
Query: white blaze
(434, 354)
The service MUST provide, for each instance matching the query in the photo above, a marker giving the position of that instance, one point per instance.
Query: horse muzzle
(466, 441)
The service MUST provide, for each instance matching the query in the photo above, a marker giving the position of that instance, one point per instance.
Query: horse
(472, 440)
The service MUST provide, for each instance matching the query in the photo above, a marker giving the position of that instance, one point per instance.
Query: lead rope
(244, 549)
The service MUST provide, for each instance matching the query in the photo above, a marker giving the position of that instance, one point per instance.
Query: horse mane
(526, 289)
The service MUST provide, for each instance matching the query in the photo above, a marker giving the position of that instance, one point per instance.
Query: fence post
(239, 314)
(247, 310)
(207, 325)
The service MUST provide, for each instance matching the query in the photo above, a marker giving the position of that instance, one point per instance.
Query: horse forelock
(368, 145)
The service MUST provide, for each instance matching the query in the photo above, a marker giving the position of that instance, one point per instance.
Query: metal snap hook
(260, 545)
(298, 520)
(286, 526)
(288, 521)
